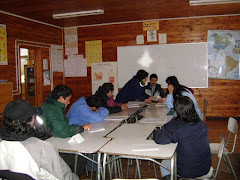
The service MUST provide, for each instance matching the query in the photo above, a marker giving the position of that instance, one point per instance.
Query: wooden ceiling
(115, 11)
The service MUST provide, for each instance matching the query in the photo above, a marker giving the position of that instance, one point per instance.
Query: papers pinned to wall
(150, 25)
(56, 58)
(71, 41)
(93, 51)
(75, 66)
(140, 39)
(3, 45)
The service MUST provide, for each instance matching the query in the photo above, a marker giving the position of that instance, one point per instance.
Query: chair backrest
(233, 128)
(220, 154)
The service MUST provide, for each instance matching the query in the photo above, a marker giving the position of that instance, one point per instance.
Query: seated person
(134, 89)
(193, 151)
(105, 92)
(174, 80)
(24, 156)
(54, 113)
(175, 89)
(154, 89)
(85, 111)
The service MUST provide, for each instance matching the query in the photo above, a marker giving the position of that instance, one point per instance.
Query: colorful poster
(93, 51)
(224, 54)
(71, 41)
(103, 73)
(3, 45)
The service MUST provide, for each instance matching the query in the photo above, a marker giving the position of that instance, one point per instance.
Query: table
(91, 144)
(123, 148)
(132, 131)
(158, 121)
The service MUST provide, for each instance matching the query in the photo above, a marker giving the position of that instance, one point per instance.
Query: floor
(216, 128)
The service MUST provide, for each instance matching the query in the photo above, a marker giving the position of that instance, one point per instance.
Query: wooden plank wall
(223, 95)
(20, 29)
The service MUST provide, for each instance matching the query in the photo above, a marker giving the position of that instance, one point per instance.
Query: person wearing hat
(24, 156)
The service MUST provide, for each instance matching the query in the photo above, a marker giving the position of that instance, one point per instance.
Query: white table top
(124, 147)
(107, 125)
(157, 120)
(89, 145)
(132, 131)
(153, 110)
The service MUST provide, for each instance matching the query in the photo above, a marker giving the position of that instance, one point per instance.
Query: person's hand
(148, 100)
(170, 88)
(124, 107)
(87, 127)
(152, 97)
(161, 100)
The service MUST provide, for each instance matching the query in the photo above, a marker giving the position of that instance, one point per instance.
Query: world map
(223, 54)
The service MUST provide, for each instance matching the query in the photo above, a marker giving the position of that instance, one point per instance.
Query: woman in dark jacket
(193, 151)
(105, 92)
(134, 89)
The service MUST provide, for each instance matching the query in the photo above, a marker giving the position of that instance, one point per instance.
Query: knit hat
(19, 110)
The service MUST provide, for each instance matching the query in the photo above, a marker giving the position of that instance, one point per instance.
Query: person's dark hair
(185, 110)
(106, 87)
(61, 90)
(16, 127)
(153, 76)
(172, 80)
(94, 101)
(141, 74)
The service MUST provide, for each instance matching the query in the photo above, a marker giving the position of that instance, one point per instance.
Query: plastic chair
(211, 175)
(233, 128)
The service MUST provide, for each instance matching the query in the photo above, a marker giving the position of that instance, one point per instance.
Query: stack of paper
(145, 147)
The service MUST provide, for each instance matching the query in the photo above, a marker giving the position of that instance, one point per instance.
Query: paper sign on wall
(150, 25)
(3, 45)
(71, 41)
(93, 51)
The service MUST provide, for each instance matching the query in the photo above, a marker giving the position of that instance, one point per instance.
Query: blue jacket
(187, 93)
(193, 151)
(131, 91)
(80, 113)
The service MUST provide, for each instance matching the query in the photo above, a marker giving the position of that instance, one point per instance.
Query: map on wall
(103, 73)
(224, 54)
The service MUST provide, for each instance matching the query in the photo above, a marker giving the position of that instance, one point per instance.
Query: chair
(211, 175)
(233, 128)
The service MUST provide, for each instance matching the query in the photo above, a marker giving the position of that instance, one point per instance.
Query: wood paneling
(19, 29)
(6, 95)
(223, 95)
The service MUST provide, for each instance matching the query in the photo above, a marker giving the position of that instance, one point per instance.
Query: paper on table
(115, 118)
(145, 147)
(76, 139)
(97, 130)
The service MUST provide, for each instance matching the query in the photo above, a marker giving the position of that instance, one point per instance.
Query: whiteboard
(187, 61)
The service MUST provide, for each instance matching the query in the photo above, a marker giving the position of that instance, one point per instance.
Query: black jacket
(193, 151)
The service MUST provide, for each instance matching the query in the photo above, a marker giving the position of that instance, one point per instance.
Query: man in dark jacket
(193, 151)
(154, 89)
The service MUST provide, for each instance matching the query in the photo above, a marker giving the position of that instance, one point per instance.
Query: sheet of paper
(75, 66)
(145, 147)
(71, 41)
(97, 130)
(56, 58)
(93, 51)
(76, 139)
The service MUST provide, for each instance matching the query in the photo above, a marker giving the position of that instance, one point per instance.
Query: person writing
(134, 89)
(87, 110)
(54, 113)
(193, 151)
(22, 155)
(105, 92)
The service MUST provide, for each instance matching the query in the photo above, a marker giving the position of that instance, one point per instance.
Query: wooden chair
(233, 128)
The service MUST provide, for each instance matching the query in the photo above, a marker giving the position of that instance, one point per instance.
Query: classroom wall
(20, 29)
(223, 95)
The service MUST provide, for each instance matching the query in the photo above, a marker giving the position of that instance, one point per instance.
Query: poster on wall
(56, 58)
(71, 41)
(3, 45)
(75, 66)
(46, 78)
(224, 54)
(93, 51)
(103, 73)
